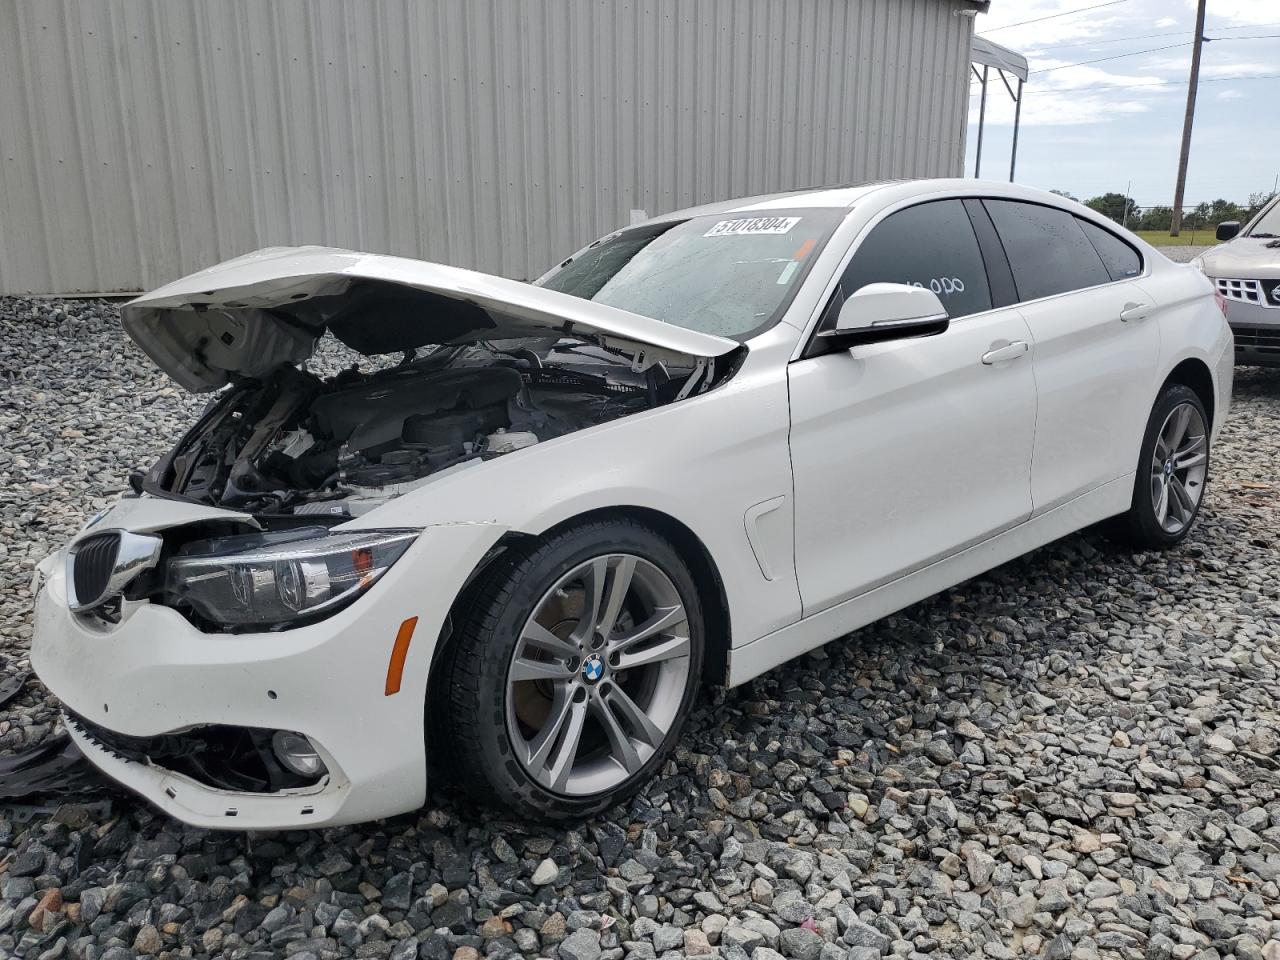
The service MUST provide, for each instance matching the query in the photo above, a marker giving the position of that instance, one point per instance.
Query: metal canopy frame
(1007, 63)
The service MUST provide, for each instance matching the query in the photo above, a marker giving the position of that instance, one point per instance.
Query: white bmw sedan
(517, 542)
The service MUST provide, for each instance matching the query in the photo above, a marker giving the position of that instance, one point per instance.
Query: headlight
(275, 578)
(1197, 262)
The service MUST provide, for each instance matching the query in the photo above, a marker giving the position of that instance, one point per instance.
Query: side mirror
(886, 311)
(1228, 229)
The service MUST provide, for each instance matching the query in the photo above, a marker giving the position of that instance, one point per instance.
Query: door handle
(1134, 311)
(1010, 351)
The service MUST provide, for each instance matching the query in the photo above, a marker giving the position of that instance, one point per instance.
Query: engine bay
(296, 443)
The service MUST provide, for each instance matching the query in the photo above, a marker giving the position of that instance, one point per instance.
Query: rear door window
(1120, 259)
(1047, 249)
(931, 245)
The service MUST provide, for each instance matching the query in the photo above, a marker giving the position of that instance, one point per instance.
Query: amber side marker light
(399, 650)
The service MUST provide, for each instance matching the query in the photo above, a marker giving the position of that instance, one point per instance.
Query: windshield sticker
(752, 226)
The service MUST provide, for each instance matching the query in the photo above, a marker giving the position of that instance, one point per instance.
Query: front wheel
(1173, 469)
(573, 670)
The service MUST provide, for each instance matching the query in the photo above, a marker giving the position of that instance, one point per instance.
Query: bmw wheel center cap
(592, 668)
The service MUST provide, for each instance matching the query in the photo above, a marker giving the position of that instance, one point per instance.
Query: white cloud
(1243, 68)
(1093, 76)
(1055, 108)
(1092, 128)
(1242, 11)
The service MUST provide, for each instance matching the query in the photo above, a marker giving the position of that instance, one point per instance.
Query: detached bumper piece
(53, 768)
(231, 758)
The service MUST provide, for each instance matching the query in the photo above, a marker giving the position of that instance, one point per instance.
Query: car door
(906, 451)
(1096, 345)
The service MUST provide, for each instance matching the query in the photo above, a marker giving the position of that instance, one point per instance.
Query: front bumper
(1257, 332)
(154, 674)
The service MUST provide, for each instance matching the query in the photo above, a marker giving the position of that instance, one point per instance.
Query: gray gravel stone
(581, 945)
(546, 873)
(1074, 755)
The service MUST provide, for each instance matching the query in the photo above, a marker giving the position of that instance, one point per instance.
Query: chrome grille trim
(90, 567)
(1247, 291)
(102, 564)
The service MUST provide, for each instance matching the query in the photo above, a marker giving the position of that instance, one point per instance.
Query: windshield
(730, 274)
(1268, 224)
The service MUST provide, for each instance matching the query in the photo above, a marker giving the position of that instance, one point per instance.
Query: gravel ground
(1183, 254)
(1077, 755)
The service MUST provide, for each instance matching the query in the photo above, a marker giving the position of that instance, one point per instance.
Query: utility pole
(1192, 84)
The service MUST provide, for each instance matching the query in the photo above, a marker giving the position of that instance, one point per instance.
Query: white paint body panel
(827, 492)
(180, 321)
(887, 440)
(1093, 380)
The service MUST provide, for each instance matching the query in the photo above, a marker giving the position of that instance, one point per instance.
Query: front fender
(705, 462)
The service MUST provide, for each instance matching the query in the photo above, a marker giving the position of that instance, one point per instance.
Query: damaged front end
(340, 382)
(463, 368)
(487, 367)
(299, 444)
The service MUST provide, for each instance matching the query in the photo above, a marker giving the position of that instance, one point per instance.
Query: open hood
(249, 315)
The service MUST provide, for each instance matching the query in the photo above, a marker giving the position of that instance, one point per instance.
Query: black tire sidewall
(1142, 518)
(513, 596)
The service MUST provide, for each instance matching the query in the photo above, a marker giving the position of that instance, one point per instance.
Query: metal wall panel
(145, 139)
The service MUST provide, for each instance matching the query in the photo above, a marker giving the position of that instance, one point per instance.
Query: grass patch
(1188, 238)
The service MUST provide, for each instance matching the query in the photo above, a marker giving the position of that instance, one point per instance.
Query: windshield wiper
(1265, 236)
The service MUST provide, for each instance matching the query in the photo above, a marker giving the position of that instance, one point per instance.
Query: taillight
(1221, 301)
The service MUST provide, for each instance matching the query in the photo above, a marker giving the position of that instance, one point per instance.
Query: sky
(1086, 140)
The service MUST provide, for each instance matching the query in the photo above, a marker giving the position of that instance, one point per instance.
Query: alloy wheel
(1179, 464)
(598, 675)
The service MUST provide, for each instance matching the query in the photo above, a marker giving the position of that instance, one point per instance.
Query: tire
(524, 673)
(1169, 487)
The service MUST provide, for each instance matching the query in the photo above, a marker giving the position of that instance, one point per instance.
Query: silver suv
(1246, 270)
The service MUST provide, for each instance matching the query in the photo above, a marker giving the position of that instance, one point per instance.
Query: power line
(1149, 36)
(1121, 56)
(1118, 56)
(1155, 87)
(1155, 83)
(1054, 16)
(1245, 26)
(1261, 36)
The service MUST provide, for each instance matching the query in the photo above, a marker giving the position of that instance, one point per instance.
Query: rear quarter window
(1120, 259)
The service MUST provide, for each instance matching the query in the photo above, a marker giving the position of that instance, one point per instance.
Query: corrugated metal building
(144, 139)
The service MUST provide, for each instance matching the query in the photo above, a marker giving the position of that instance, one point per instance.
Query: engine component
(374, 413)
(397, 466)
(292, 443)
(504, 442)
(446, 434)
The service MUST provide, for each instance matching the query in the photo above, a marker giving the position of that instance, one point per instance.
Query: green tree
(1114, 205)
(1256, 202)
(1221, 210)
(1067, 194)
(1156, 218)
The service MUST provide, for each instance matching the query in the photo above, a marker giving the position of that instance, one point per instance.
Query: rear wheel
(1173, 470)
(573, 670)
